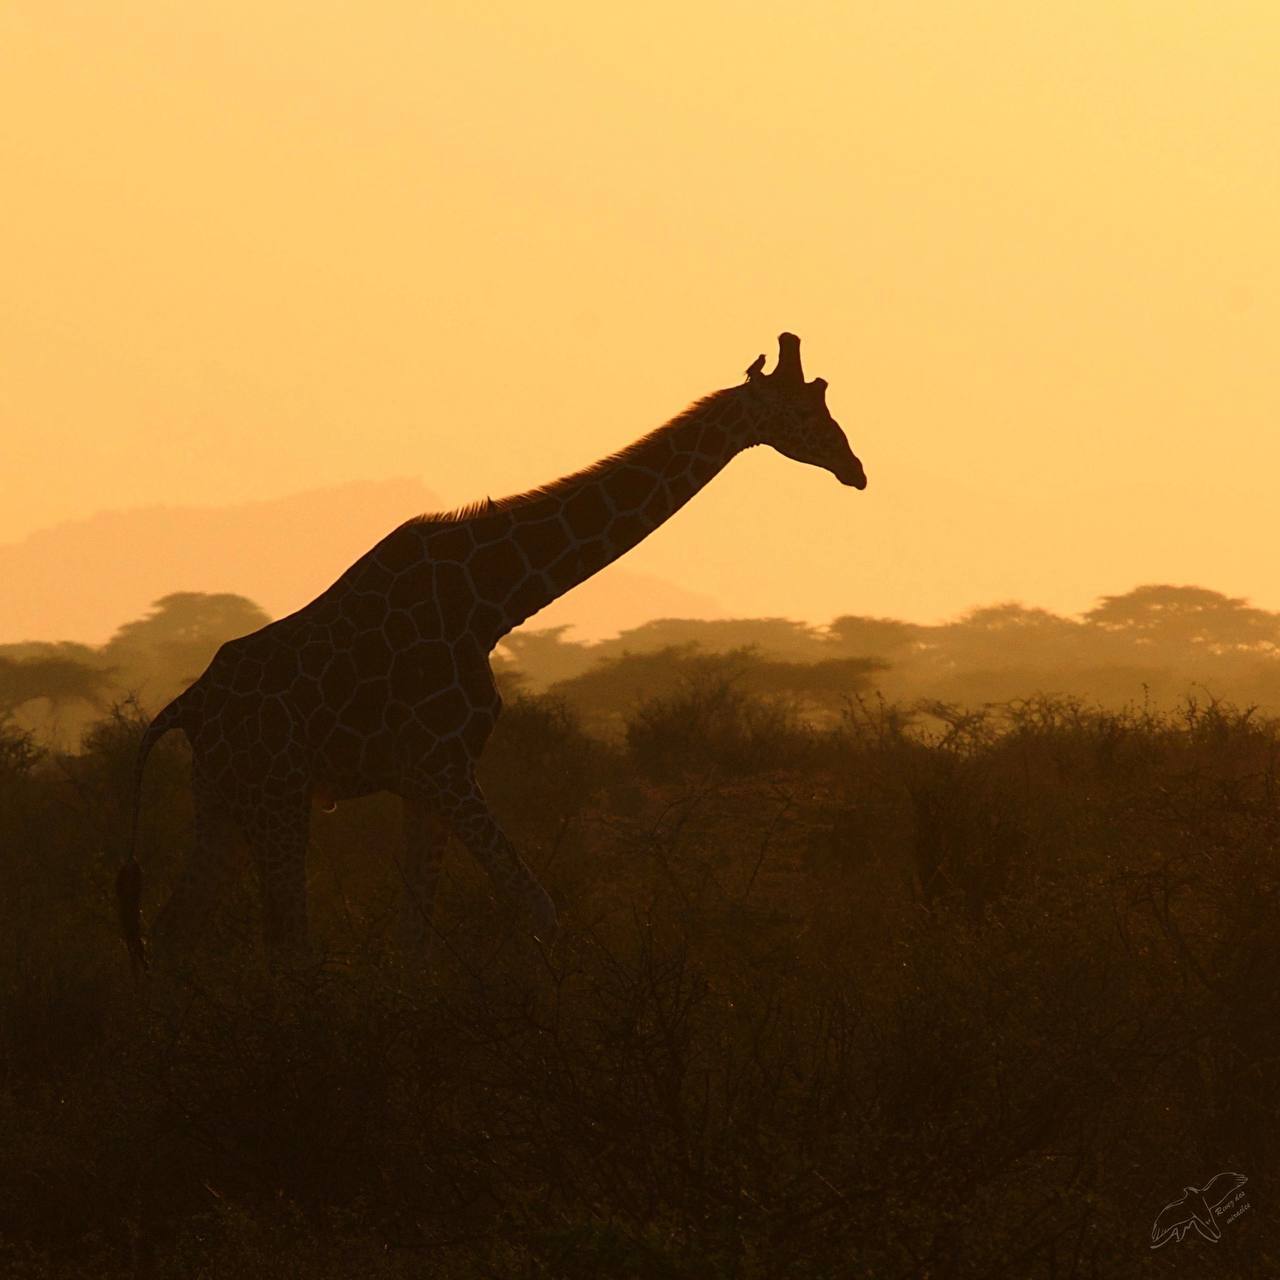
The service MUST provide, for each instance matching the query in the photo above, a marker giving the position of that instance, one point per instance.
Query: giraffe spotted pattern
(382, 683)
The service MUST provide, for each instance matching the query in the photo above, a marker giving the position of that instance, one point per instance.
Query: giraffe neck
(573, 528)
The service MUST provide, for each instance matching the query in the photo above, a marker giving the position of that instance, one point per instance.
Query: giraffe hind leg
(209, 870)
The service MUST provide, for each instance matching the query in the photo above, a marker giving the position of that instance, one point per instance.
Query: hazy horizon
(245, 549)
(256, 252)
(164, 547)
(125, 560)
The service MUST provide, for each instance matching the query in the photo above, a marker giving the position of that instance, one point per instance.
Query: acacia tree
(60, 680)
(775, 637)
(542, 656)
(1186, 618)
(169, 647)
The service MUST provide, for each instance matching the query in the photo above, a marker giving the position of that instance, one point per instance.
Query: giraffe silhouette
(382, 683)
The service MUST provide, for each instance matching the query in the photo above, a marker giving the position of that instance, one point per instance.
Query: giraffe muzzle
(851, 473)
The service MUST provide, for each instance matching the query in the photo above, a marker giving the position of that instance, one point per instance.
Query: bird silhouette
(1194, 1208)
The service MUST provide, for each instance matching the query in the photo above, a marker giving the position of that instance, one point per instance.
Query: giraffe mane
(558, 488)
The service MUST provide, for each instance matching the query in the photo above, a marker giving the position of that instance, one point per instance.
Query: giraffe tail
(129, 877)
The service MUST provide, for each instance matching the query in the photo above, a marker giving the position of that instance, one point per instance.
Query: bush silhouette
(710, 724)
(934, 988)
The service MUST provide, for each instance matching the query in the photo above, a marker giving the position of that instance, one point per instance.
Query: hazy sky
(248, 249)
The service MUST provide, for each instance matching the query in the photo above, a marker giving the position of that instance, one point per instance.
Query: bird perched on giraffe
(383, 683)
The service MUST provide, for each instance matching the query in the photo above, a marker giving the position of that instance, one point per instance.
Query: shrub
(790, 1028)
(712, 726)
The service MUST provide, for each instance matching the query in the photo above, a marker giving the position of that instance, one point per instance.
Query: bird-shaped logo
(1194, 1208)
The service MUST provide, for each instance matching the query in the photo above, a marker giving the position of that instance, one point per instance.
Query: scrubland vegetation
(880, 990)
(1154, 645)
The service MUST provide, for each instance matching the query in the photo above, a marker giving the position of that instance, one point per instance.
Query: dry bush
(711, 725)
(934, 995)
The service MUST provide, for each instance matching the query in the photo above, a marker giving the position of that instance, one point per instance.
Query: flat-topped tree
(382, 683)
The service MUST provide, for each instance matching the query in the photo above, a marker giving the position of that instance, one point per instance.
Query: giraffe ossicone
(382, 683)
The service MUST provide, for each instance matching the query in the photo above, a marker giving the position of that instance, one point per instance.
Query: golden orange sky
(250, 249)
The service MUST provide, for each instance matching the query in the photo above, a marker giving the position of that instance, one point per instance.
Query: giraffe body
(382, 683)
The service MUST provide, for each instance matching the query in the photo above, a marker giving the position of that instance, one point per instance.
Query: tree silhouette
(859, 636)
(175, 641)
(614, 687)
(1185, 617)
(545, 656)
(60, 680)
(777, 637)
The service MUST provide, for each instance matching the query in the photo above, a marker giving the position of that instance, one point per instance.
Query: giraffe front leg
(425, 836)
(464, 807)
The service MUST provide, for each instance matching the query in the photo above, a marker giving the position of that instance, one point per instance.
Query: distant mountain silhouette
(82, 579)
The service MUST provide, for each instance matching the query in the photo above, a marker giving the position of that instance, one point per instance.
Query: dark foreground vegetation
(962, 995)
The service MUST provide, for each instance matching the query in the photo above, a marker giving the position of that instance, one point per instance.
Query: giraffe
(382, 683)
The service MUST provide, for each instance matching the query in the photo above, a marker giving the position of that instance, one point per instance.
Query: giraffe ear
(753, 372)
(818, 389)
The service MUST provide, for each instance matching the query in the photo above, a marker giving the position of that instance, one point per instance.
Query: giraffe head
(791, 415)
